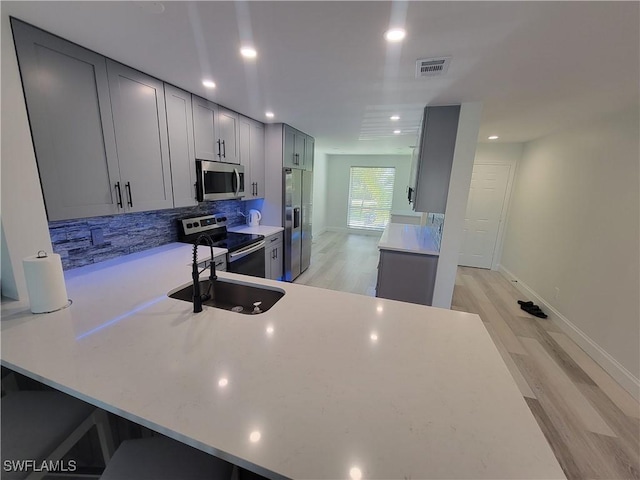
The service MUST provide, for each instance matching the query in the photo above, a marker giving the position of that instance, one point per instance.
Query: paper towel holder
(42, 254)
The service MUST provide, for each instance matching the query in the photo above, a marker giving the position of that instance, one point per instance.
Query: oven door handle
(245, 251)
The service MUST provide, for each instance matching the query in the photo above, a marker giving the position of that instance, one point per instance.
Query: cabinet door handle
(195, 189)
(276, 252)
(296, 159)
(119, 195)
(224, 150)
(256, 189)
(219, 149)
(128, 187)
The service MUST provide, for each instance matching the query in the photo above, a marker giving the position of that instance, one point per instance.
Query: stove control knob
(223, 219)
(196, 224)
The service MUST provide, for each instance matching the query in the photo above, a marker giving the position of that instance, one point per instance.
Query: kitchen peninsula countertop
(265, 230)
(324, 385)
(401, 237)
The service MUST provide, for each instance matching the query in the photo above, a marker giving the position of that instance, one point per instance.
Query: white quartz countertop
(410, 238)
(265, 230)
(324, 385)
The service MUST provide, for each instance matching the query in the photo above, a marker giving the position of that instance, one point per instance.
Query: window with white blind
(370, 197)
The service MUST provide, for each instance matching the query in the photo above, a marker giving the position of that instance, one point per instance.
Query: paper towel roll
(45, 282)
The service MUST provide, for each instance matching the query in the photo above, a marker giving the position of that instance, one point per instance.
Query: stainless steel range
(245, 251)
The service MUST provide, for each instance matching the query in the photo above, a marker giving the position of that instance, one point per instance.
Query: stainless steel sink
(235, 296)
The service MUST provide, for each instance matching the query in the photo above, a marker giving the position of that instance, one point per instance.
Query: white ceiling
(325, 68)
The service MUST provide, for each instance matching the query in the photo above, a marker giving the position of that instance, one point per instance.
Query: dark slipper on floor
(524, 303)
(534, 310)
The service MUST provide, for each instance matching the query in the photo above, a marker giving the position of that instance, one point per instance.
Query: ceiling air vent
(431, 67)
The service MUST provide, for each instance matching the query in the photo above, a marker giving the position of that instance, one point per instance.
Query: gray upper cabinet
(298, 149)
(308, 153)
(67, 94)
(137, 102)
(251, 135)
(205, 127)
(288, 154)
(181, 146)
(257, 157)
(299, 143)
(431, 173)
(228, 133)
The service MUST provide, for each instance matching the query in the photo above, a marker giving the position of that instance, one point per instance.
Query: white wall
(24, 222)
(319, 220)
(338, 175)
(574, 225)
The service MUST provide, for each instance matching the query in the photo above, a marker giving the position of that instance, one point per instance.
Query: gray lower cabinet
(407, 277)
(181, 146)
(251, 135)
(274, 256)
(139, 118)
(67, 95)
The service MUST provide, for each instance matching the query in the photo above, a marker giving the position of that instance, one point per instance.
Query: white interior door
(484, 214)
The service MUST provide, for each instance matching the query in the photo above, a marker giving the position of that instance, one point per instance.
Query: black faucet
(198, 298)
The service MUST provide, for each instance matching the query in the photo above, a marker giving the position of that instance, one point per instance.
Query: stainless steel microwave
(219, 181)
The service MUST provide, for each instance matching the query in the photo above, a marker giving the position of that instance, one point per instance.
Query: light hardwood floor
(591, 423)
(343, 262)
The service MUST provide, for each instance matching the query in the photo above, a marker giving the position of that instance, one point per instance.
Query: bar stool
(45, 425)
(161, 458)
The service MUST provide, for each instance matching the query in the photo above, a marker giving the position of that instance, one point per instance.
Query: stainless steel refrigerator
(298, 195)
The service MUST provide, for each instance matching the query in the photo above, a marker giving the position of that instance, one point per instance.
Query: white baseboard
(619, 373)
(319, 232)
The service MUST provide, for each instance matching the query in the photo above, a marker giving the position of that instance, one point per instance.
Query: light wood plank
(627, 429)
(489, 313)
(557, 443)
(524, 387)
(609, 386)
(558, 380)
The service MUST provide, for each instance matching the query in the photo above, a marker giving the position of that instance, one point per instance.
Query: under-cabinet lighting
(493, 137)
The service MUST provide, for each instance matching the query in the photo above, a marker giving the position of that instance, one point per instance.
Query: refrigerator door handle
(296, 217)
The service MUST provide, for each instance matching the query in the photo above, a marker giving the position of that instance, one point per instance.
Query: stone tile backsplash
(91, 240)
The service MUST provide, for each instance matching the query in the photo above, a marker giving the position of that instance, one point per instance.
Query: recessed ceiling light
(248, 52)
(269, 114)
(209, 84)
(397, 131)
(493, 137)
(395, 35)
(394, 117)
